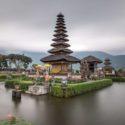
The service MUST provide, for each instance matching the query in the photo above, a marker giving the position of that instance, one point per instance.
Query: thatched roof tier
(60, 44)
(60, 50)
(60, 19)
(55, 58)
(107, 61)
(92, 59)
(61, 30)
(60, 39)
(60, 34)
(60, 23)
(60, 27)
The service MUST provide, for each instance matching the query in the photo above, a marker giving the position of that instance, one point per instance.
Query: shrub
(57, 91)
(23, 84)
(15, 76)
(11, 83)
(3, 77)
(118, 79)
(70, 81)
(74, 81)
(24, 77)
(58, 80)
(77, 89)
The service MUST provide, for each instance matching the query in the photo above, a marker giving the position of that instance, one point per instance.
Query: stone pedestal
(38, 90)
(16, 94)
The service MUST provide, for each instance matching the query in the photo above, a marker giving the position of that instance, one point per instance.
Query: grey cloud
(102, 19)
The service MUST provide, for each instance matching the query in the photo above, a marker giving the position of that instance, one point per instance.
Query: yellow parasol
(47, 65)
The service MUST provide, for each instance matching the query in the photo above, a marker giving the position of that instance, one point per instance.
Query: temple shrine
(92, 63)
(60, 57)
(108, 69)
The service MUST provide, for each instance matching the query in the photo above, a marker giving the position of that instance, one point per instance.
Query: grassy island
(80, 88)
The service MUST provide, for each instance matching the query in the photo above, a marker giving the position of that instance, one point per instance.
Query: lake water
(103, 107)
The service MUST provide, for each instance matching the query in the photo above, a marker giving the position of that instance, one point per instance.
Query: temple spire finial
(60, 14)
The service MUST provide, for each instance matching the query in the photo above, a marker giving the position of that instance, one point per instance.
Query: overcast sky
(91, 24)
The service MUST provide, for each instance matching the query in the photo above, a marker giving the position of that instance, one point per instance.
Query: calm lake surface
(103, 107)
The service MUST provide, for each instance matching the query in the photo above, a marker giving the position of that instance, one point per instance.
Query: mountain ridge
(118, 61)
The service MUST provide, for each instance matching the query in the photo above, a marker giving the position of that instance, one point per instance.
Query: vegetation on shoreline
(73, 88)
(22, 83)
(16, 79)
(80, 88)
(118, 79)
(15, 122)
(3, 77)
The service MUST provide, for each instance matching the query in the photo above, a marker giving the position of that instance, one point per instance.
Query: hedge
(3, 77)
(118, 79)
(21, 76)
(57, 80)
(15, 76)
(22, 83)
(77, 89)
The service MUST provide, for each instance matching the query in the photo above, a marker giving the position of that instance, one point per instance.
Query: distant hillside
(118, 61)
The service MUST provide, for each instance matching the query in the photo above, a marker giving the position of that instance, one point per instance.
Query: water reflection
(105, 107)
(16, 102)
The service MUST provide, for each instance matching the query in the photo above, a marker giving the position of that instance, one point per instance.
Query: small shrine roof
(92, 59)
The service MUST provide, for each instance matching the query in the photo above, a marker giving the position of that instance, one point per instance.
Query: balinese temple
(60, 57)
(108, 69)
(92, 63)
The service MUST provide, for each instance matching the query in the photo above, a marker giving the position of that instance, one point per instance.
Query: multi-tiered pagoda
(108, 69)
(60, 57)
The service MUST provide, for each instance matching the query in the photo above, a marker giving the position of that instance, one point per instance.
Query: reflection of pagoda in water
(60, 57)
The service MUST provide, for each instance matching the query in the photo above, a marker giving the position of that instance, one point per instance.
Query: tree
(26, 61)
(34, 65)
(3, 61)
(19, 61)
